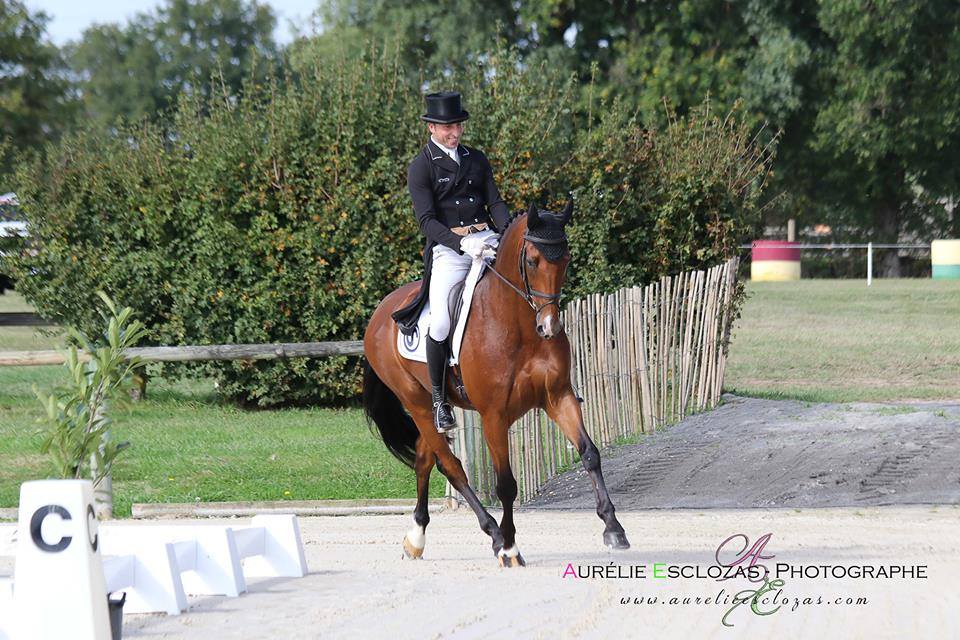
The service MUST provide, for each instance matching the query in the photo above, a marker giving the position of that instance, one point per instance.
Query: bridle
(528, 294)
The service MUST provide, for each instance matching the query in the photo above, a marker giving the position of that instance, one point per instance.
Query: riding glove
(475, 246)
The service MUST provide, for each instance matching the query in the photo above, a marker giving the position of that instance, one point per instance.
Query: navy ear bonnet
(546, 231)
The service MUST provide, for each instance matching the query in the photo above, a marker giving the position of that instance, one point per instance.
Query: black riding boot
(437, 366)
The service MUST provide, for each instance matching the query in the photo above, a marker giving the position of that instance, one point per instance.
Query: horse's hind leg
(450, 467)
(415, 539)
(495, 433)
(565, 411)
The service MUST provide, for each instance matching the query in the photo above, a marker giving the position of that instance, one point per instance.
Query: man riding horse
(456, 202)
(515, 354)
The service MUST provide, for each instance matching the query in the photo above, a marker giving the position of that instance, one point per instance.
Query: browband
(539, 240)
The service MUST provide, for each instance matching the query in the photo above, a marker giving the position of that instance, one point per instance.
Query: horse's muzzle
(550, 326)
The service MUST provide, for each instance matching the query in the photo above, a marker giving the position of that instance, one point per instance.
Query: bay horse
(515, 357)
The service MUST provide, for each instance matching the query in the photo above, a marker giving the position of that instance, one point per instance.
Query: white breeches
(447, 270)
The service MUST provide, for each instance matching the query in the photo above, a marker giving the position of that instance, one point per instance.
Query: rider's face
(446, 134)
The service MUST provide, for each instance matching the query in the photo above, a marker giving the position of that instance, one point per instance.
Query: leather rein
(528, 294)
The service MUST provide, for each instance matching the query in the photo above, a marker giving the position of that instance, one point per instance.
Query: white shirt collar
(450, 152)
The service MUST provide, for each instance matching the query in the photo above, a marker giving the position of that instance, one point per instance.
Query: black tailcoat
(444, 196)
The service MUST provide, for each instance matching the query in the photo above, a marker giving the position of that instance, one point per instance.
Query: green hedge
(283, 216)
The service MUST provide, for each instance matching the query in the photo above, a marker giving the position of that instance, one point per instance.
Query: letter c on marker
(36, 522)
(92, 517)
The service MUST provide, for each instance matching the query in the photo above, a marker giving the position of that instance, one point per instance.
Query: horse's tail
(383, 408)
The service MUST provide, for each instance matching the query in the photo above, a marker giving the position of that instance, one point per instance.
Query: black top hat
(444, 108)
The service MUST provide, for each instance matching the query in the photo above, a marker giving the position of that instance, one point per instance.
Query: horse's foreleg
(495, 434)
(451, 468)
(415, 539)
(565, 411)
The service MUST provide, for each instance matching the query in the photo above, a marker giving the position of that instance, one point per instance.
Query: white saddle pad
(413, 347)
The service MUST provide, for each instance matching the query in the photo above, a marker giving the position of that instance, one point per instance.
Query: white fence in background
(842, 246)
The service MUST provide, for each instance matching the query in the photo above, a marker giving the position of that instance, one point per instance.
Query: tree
(118, 71)
(35, 103)
(757, 55)
(140, 69)
(889, 126)
(444, 35)
(865, 93)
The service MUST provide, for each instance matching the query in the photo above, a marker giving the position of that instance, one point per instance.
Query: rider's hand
(490, 244)
(473, 245)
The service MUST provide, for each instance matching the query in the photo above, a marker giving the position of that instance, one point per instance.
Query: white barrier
(6, 605)
(72, 562)
(158, 566)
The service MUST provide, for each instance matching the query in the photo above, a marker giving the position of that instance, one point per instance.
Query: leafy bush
(658, 202)
(282, 215)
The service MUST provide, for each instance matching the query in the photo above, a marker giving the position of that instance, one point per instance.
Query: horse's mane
(513, 219)
(511, 227)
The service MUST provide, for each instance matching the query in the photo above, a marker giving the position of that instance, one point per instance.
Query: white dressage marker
(58, 585)
(59, 563)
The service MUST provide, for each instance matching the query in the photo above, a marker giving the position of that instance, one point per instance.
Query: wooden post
(139, 390)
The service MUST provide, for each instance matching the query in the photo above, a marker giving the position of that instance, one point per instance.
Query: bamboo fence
(643, 357)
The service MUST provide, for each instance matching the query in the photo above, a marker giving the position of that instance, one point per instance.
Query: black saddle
(454, 307)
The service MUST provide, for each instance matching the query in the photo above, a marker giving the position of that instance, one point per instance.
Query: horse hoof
(514, 559)
(411, 551)
(616, 539)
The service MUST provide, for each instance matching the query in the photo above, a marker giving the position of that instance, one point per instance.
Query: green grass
(26, 338)
(894, 411)
(187, 447)
(839, 341)
(13, 301)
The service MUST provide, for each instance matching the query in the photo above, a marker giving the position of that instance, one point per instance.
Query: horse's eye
(531, 262)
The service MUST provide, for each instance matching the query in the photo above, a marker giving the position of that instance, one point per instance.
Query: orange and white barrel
(775, 260)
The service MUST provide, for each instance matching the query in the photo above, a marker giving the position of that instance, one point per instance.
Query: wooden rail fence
(23, 319)
(198, 353)
(643, 357)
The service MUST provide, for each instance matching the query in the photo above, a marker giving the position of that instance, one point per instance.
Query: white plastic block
(6, 608)
(208, 560)
(119, 572)
(282, 553)
(8, 539)
(157, 583)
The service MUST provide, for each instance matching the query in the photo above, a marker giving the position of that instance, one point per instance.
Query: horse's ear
(568, 211)
(533, 216)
